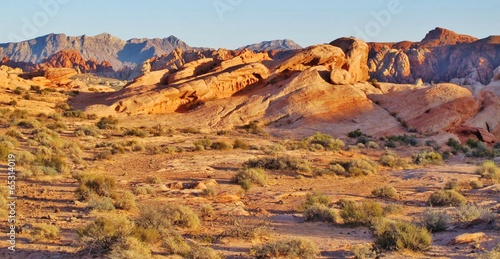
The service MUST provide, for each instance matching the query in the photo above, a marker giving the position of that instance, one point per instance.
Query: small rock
(468, 238)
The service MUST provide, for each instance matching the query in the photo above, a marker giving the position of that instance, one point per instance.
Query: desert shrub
(190, 130)
(90, 130)
(385, 192)
(364, 251)
(403, 139)
(92, 184)
(202, 144)
(489, 170)
(361, 213)
(355, 134)
(49, 138)
(25, 158)
(249, 176)
(203, 252)
(470, 211)
(130, 248)
(135, 132)
(493, 254)
(392, 160)
(4, 152)
(472, 143)
(247, 229)
(456, 146)
(427, 158)
(142, 190)
(320, 212)
(103, 155)
(483, 151)
(399, 235)
(238, 143)
(101, 203)
(175, 244)
(15, 134)
(372, 145)
(104, 232)
(254, 128)
(153, 179)
(29, 124)
(44, 232)
(324, 141)
(436, 220)
(160, 130)
(393, 209)
(107, 122)
(451, 184)
(146, 235)
(206, 211)
(18, 114)
(220, 145)
(447, 198)
(126, 201)
(164, 216)
(278, 163)
(360, 167)
(273, 150)
(332, 169)
(210, 192)
(476, 184)
(290, 248)
(314, 199)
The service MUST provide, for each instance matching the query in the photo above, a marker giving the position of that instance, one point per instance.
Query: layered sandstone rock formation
(442, 56)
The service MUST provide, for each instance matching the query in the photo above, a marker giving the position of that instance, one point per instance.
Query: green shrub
(130, 248)
(324, 141)
(175, 244)
(238, 143)
(164, 216)
(320, 212)
(483, 151)
(392, 160)
(126, 201)
(146, 235)
(398, 235)
(104, 232)
(355, 134)
(247, 229)
(254, 128)
(315, 199)
(92, 184)
(107, 122)
(436, 220)
(360, 213)
(278, 163)
(372, 145)
(332, 169)
(249, 176)
(44, 232)
(101, 203)
(220, 145)
(136, 132)
(202, 144)
(291, 248)
(87, 131)
(427, 158)
(360, 167)
(489, 170)
(447, 198)
(385, 192)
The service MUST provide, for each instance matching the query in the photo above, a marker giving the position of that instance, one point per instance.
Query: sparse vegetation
(399, 235)
(392, 160)
(44, 232)
(254, 128)
(95, 185)
(427, 158)
(489, 170)
(291, 248)
(447, 198)
(385, 192)
(247, 229)
(102, 234)
(135, 132)
(360, 213)
(249, 176)
(321, 141)
(436, 220)
(279, 163)
(220, 145)
(107, 123)
(321, 212)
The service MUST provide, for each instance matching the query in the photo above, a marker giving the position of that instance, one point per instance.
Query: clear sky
(234, 23)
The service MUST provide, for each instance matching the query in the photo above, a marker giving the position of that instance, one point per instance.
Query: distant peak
(447, 36)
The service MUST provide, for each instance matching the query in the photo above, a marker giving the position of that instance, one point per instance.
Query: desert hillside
(287, 152)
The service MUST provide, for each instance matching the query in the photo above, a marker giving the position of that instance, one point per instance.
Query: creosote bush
(392, 160)
(399, 235)
(321, 141)
(249, 176)
(279, 163)
(95, 185)
(427, 158)
(360, 213)
(102, 234)
(385, 192)
(436, 220)
(447, 198)
(489, 170)
(321, 212)
(291, 248)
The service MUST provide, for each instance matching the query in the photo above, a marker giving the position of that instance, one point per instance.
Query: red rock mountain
(441, 56)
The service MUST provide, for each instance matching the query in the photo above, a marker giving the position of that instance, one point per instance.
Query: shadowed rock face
(441, 56)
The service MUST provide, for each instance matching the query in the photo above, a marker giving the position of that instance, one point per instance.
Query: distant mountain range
(106, 47)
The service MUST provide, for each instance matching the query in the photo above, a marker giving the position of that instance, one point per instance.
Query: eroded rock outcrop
(356, 53)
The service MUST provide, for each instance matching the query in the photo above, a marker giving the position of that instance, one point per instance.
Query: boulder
(468, 238)
(318, 55)
(356, 53)
(340, 76)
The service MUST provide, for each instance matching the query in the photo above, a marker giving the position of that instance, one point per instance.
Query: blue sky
(234, 23)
